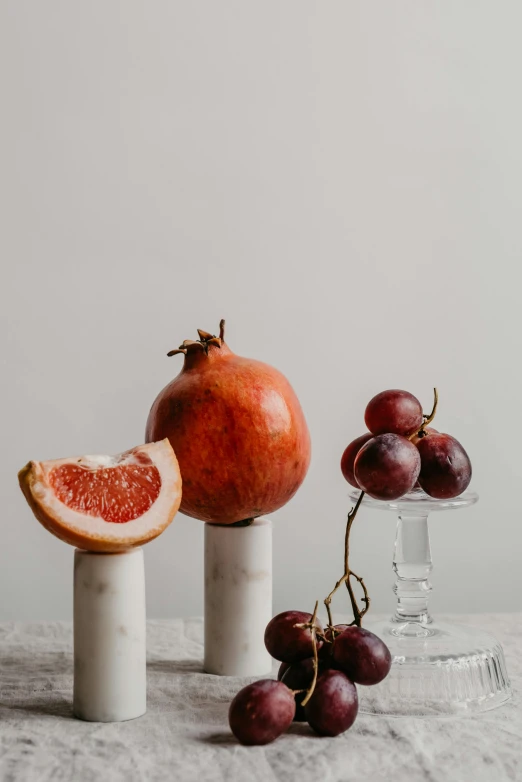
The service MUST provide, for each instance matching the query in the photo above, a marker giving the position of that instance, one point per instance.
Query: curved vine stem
(427, 418)
(313, 630)
(365, 599)
(431, 416)
(327, 601)
(358, 613)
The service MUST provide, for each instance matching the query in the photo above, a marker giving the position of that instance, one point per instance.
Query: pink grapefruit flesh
(106, 503)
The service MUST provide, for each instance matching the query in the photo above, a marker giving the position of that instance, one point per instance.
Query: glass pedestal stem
(412, 565)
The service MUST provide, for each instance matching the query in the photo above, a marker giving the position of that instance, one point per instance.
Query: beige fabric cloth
(185, 736)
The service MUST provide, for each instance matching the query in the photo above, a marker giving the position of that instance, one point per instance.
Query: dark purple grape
(387, 467)
(348, 457)
(298, 676)
(394, 411)
(363, 657)
(332, 709)
(260, 712)
(445, 466)
(289, 643)
(282, 670)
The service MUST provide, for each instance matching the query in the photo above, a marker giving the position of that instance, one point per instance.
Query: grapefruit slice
(106, 503)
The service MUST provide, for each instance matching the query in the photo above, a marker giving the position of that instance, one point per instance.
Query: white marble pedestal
(109, 636)
(238, 598)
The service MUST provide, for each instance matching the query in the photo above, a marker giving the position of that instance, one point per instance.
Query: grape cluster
(320, 668)
(317, 676)
(400, 452)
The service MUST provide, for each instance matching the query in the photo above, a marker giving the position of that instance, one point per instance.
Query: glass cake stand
(437, 668)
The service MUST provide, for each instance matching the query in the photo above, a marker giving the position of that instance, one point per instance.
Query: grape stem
(427, 418)
(358, 613)
(313, 630)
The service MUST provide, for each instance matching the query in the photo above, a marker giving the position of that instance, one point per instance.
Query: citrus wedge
(106, 503)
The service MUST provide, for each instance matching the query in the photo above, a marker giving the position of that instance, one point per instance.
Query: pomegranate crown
(203, 343)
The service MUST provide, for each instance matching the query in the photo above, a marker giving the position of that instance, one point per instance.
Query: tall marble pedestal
(238, 598)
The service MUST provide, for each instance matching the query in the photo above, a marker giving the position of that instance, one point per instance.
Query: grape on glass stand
(438, 668)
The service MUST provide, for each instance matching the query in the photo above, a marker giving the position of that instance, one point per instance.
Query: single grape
(349, 455)
(332, 709)
(298, 676)
(282, 670)
(398, 412)
(261, 711)
(387, 467)
(289, 643)
(445, 466)
(363, 657)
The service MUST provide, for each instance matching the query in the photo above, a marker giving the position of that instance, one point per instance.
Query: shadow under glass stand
(438, 668)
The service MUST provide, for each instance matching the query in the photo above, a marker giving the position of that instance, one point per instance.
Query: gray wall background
(340, 180)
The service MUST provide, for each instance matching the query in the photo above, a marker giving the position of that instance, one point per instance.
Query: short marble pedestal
(238, 598)
(109, 636)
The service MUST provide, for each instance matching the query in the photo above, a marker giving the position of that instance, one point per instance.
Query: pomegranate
(237, 429)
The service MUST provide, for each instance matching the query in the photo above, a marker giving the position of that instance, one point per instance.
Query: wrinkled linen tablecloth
(185, 735)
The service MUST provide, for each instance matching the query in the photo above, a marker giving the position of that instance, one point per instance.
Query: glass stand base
(437, 669)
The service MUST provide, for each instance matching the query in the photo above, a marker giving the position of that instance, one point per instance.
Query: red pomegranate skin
(239, 434)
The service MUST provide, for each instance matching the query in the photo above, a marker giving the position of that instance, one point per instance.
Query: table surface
(185, 734)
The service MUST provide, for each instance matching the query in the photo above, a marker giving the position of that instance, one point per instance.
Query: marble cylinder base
(109, 636)
(238, 598)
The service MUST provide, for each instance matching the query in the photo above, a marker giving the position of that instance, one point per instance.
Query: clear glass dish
(438, 668)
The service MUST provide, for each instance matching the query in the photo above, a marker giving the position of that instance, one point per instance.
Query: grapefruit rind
(92, 533)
